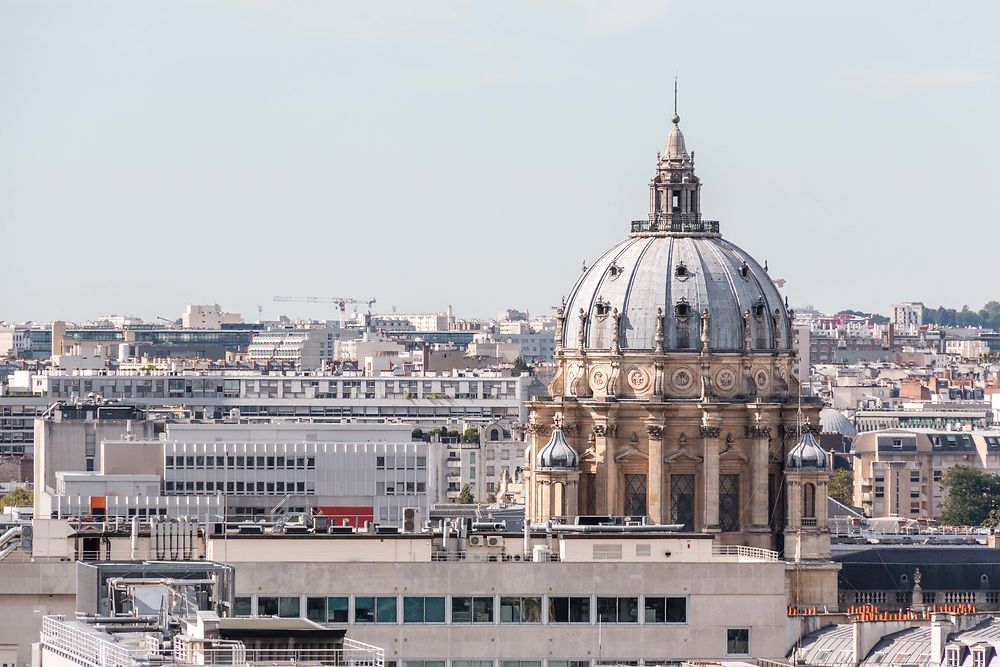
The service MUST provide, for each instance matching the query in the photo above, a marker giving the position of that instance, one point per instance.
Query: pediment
(682, 455)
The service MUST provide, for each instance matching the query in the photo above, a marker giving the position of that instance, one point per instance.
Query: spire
(675, 149)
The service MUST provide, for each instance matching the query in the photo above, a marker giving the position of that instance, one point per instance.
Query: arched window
(808, 501)
(494, 435)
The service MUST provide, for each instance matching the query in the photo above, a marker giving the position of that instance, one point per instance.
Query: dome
(557, 453)
(682, 274)
(834, 421)
(806, 455)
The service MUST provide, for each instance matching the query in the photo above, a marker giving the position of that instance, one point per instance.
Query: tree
(521, 366)
(465, 496)
(841, 486)
(972, 496)
(19, 497)
(471, 434)
(417, 434)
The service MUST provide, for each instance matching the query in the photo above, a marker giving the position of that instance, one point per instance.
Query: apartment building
(420, 400)
(306, 349)
(899, 472)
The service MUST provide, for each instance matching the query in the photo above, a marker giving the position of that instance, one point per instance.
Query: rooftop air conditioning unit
(411, 520)
(475, 540)
(494, 541)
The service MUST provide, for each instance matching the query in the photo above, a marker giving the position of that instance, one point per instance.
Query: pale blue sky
(428, 153)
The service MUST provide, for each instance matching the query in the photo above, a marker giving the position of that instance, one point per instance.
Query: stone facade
(674, 379)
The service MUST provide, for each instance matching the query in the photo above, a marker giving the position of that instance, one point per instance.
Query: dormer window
(681, 271)
(602, 307)
(758, 308)
(745, 271)
(953, 656)
(614, 270)
(682, 309)
(979, 656)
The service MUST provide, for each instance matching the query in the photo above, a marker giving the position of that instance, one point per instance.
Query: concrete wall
(27, 592)
(712, 606)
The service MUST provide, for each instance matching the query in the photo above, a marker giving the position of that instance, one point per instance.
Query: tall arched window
(808, 501)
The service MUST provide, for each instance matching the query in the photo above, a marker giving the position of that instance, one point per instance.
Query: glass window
(423, 663)
(520, 663)
(569, 663)
(316, 609)
(738, 641)
(635, 495)
(729, 503)
(336, 610)
(385, 610)
(569, 610)
(241, 607)
(423, 610)
(618, 610)
(471, 610)
(267, 606)
(682, 500)
(665, 610)
(364, 610)
(288, 607)
(521, 610)
(471, 663)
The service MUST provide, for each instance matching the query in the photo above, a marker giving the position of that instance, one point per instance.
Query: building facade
(674, 380)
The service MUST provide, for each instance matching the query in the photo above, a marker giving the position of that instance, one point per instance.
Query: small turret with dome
(557, 453)
(807, 454)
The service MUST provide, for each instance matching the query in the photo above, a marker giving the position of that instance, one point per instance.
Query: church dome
(806, 455)
(834, 422)
(673, 272)
(682, 275)
(557, 453)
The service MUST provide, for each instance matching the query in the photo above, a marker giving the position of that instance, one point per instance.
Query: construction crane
(340, 301)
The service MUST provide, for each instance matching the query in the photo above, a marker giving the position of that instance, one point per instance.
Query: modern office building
(133, 466)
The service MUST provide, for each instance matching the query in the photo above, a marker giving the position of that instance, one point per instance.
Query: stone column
(758, 436)
(654, 481)
(710, 432)
(604, 470)
(571, 493)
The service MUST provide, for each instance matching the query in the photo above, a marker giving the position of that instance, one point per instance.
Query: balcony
(679, 224)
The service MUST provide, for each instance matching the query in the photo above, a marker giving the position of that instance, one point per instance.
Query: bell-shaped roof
(806, 455)
(557, 453)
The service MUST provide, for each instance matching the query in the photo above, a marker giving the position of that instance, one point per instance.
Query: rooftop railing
(744, 553)
(84, 645)
(684, 225)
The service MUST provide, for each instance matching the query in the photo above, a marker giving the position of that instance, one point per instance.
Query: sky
(474, 154)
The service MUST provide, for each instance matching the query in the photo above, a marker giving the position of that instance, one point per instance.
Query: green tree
(19, 497)
(471, 434)
(465, 496)
(972, 496)
(841, 486)
(417, 434)
(521, 366)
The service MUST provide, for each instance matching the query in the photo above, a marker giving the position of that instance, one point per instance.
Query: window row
(242, 462)
(470, 609)
(246, 488)
(408, 462)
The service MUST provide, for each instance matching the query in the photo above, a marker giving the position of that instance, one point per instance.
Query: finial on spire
(676, 119)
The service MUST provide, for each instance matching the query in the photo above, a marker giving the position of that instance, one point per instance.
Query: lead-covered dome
(557, 453)
(673, 275)
(806, 455)
(682, 275)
